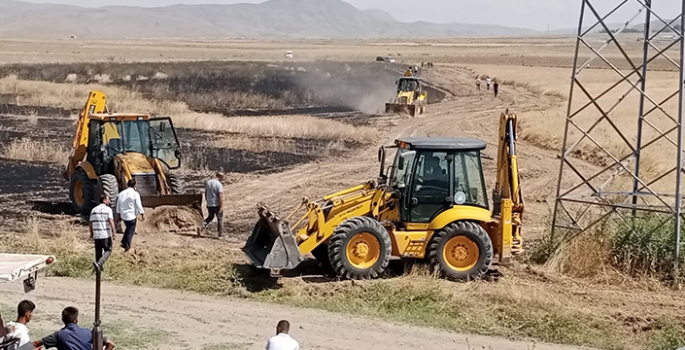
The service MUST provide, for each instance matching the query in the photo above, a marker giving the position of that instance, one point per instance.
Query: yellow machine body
(411, 99)
(104, 157)
(406, 215)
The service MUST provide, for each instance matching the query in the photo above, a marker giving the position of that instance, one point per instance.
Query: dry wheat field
(283, 129)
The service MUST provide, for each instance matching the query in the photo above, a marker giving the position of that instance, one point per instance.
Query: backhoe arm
(97, 103)
(508, 200)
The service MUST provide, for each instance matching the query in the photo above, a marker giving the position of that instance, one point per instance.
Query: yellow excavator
(110, 149)
(410, 98)
(432, 206)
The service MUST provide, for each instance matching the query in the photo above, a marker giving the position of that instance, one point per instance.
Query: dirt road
(193, 321)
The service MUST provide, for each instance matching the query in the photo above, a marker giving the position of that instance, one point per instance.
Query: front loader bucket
(395, 108)
(193, 200)
(271, 244)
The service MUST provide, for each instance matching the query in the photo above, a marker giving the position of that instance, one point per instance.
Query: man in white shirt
(282, 340)
(102, 231)
(24, 313)
(129, 206)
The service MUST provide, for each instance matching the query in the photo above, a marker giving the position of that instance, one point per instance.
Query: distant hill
(274, 18)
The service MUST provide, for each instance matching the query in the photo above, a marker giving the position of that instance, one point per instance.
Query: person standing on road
(71, 337)
(214, 194)
(129, 206)
(495, 88)
(478, 83)
(102, 231)
(487, 83)
(19, 329)
(282, 340)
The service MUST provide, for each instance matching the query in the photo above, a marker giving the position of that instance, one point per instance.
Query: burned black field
(350, 95)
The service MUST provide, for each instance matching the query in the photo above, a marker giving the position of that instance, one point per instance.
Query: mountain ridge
(334, 19)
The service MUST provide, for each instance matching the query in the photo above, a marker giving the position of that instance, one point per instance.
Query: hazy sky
(535, 14)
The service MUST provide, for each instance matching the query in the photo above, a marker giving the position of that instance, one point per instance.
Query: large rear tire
(176, 183)
(360, 248)
(462, 251)
(82, 192)
(108, 185)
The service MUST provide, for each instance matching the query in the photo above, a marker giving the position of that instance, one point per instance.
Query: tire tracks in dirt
(193, 321)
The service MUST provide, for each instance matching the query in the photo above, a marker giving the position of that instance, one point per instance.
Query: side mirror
(103, 149)
(177, 154)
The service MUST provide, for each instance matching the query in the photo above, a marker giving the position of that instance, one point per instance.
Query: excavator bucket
(400, 108)
(271, 244)
(396, 108)
(192, 200)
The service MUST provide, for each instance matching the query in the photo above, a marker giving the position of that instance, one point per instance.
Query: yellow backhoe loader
(109, 149)
(410, 98)
(432, 206)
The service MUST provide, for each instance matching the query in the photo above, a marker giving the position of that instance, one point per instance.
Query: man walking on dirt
(102, 231)
(282, 340)
(71, 337)
(24, 313)
(495, 88)
(487, 83)
(129, 206)
(214, 194)
(477, 83)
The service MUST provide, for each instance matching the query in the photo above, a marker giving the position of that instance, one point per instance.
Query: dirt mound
(170, 219)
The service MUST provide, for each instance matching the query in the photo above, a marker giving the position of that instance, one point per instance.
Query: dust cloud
(360, 87)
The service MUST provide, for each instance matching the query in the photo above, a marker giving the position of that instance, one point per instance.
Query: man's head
(25, 310)
(219, 176)
(104, 199)
(70, 315)
(283, 327)
(131, 183)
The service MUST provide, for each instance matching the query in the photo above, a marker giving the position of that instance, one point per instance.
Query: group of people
(129, 208)
(71, 337)
(74, 337)
(488, 83)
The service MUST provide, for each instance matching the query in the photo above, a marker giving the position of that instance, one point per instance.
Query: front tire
(461, 251)
(176, 184)
(82, 192)
(360, 248)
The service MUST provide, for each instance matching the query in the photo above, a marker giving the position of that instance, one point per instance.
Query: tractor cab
(133, 136)
(409, 84)
(433, 175)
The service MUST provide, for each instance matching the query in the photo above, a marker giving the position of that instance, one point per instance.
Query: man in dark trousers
(102, 230)
(495, 88)
(71, 337)
(214, 195)
(129, 206)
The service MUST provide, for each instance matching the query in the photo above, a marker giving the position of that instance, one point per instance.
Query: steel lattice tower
(629, 127)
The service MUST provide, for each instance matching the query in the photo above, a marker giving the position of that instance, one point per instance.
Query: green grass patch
(490, 308)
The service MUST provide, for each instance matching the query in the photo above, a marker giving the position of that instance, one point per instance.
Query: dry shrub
(35, 151)
(102, 78)
(68, 96)
(296, 126)
(585, 257)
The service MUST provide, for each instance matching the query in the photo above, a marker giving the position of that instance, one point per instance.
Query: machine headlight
(459, 197)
